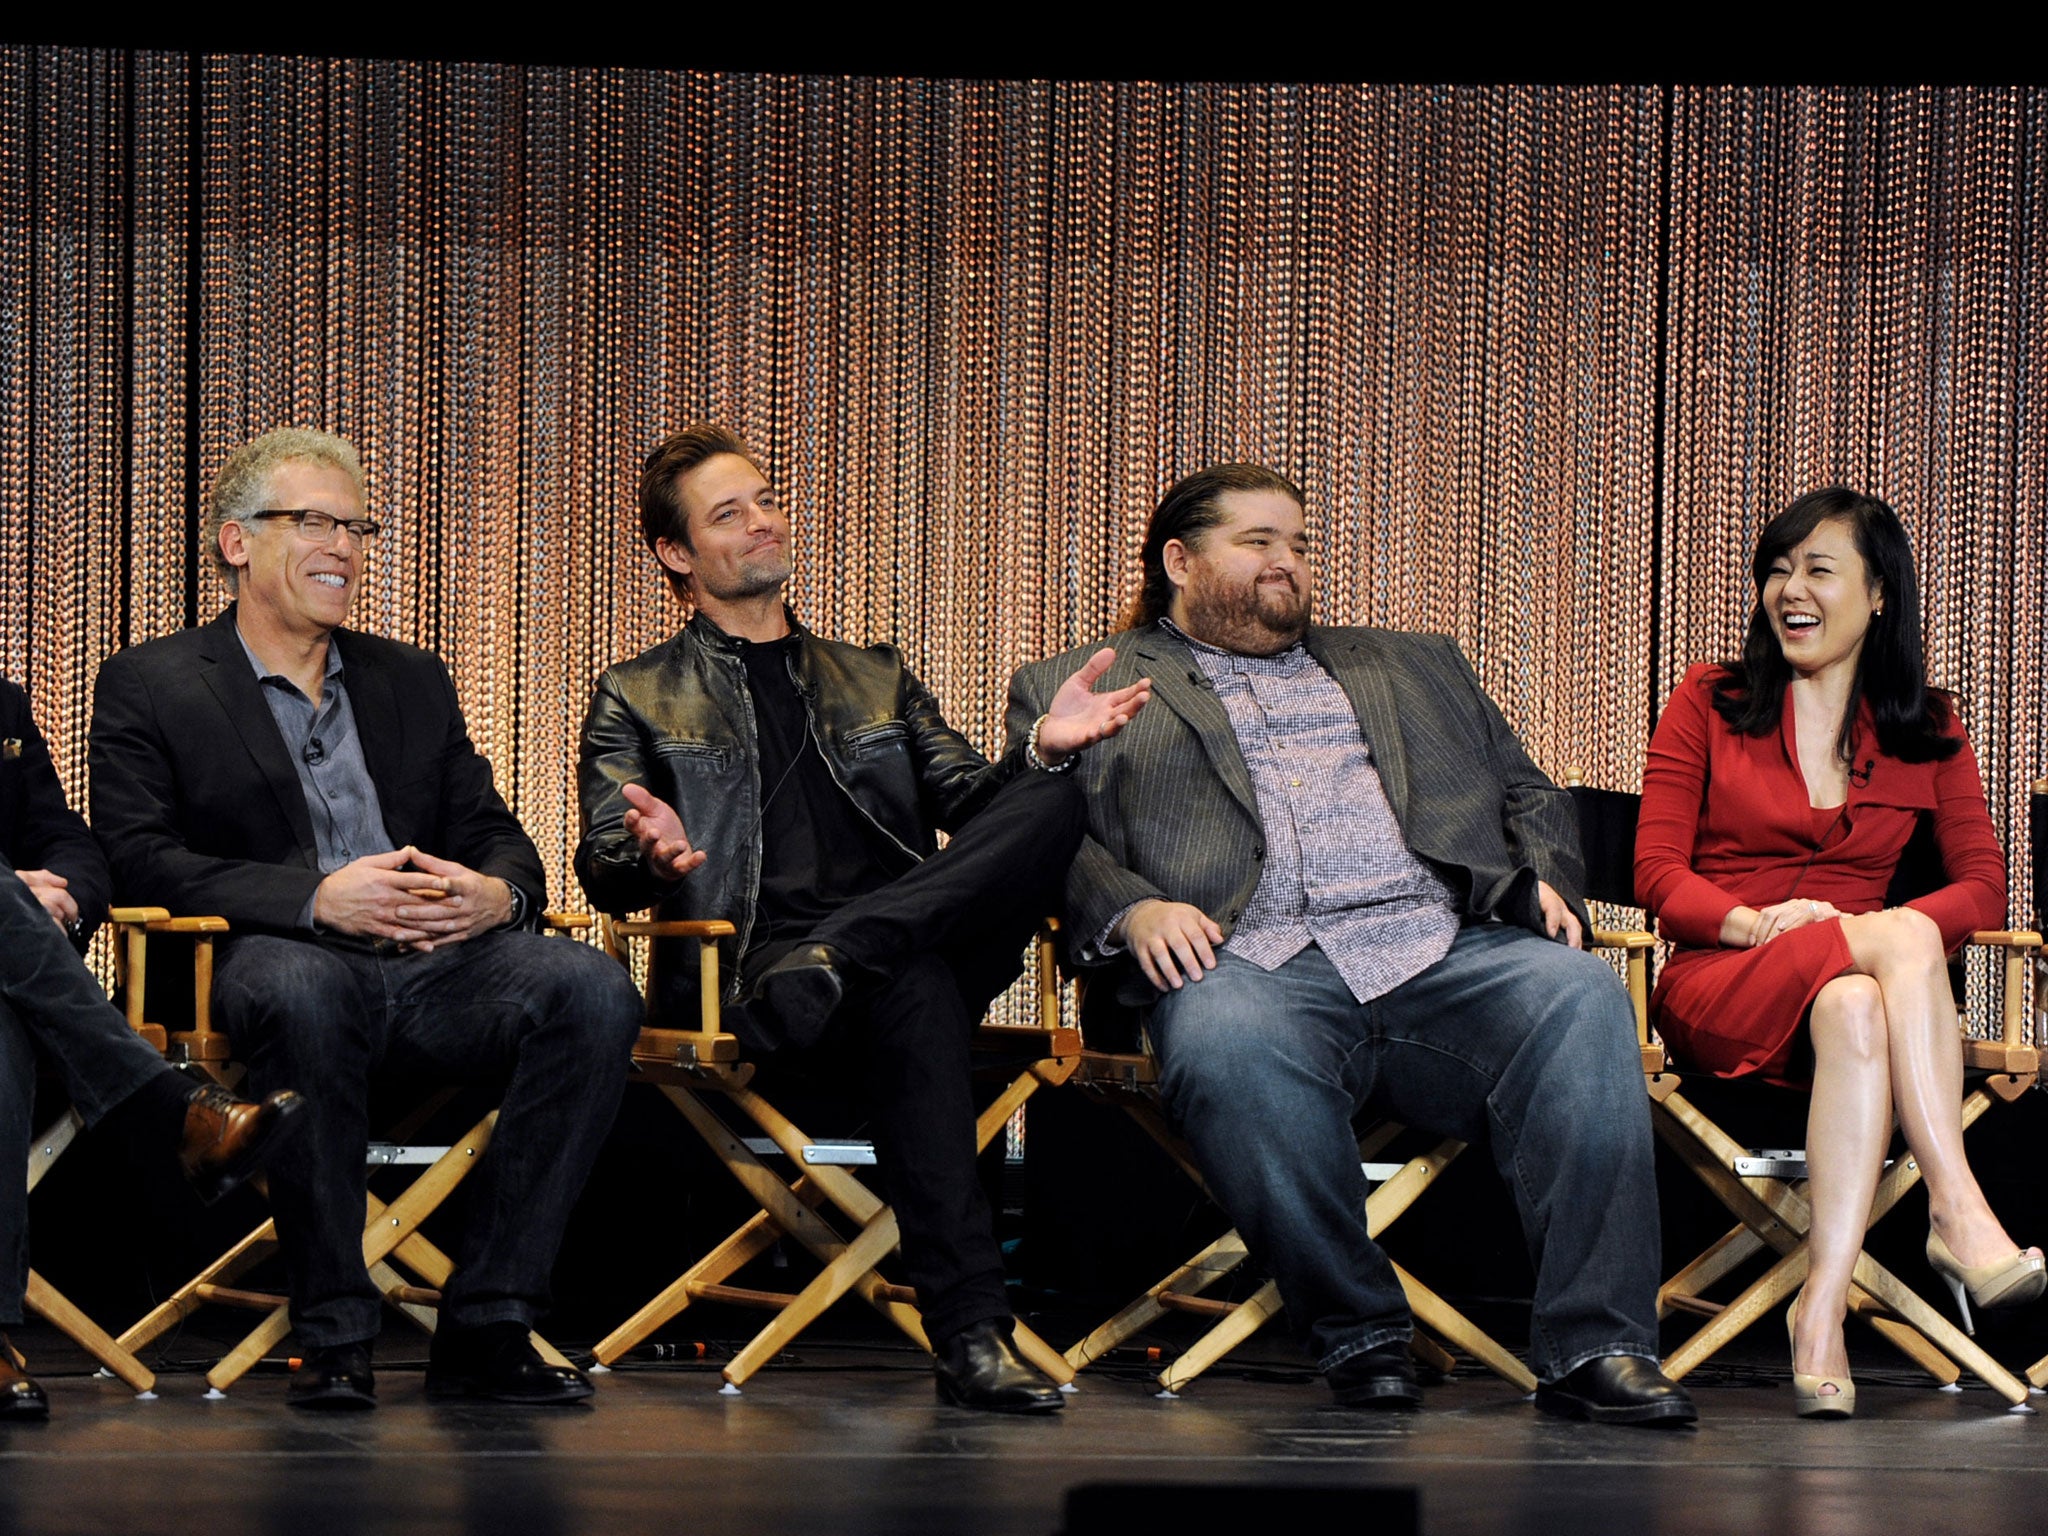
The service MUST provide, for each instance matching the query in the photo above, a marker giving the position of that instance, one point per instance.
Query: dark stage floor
(848, 1438)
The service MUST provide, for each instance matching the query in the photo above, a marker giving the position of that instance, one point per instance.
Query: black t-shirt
(818, 849)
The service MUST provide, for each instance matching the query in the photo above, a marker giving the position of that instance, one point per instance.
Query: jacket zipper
(811, 725)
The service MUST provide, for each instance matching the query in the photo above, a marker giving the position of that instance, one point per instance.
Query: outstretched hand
(655, 826)
(1080, 717)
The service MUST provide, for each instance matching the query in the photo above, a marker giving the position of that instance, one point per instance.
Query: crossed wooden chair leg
(1774, 1214)
(50, 1304)
(1238, 1321)
(790, 1209)
(391, 1232)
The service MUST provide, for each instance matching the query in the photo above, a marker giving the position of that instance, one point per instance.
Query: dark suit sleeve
(1537, 817)
(480, 829)
(1098, 886)
(41, 830)
(137, 816)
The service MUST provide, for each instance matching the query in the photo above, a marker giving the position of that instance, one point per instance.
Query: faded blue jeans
(1513, 1043)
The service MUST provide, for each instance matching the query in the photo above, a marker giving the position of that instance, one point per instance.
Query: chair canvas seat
(697, 1069)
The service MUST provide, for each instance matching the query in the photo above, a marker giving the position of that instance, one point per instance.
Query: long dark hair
(1188, 510)
(1891, 672)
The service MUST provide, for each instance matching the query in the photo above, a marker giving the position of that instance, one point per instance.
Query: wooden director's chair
(2037, 837)
(1129, 1080)
(42, 1298)
(695, 1067)
(391, 1235)
(1765, 1190)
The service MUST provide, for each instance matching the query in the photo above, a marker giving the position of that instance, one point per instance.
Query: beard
(1261, 619)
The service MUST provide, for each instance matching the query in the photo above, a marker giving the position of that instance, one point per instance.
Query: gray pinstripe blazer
(1172, 813)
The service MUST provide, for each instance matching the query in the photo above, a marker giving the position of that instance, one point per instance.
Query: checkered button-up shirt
(1338, 872)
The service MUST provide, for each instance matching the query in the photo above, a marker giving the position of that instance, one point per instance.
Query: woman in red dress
(1780, 791)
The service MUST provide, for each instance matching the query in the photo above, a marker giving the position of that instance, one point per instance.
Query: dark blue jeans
(49, 998)
(1512, 1043)
(551, 1019)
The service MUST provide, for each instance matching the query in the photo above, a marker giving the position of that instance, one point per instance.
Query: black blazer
(38, 829)
(1171, 810)
(199, 809)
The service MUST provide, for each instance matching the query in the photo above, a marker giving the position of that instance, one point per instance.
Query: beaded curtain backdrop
(1542, 360)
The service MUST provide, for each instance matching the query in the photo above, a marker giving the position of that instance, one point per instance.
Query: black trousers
(929, 952)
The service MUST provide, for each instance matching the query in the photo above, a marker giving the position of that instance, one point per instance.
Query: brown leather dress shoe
(1619, 1389)
(20, 1397)
(979, 1367)
(226, 1138)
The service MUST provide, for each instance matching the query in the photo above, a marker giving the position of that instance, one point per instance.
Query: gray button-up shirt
(327, 753)
(1337, 871)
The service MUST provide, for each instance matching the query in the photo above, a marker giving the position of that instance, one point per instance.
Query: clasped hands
(412, 899)
(1749, 927)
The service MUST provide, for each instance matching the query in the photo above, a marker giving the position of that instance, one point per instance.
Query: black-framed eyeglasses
(318, 527)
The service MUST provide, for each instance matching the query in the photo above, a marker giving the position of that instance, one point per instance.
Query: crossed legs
(1885, 1045)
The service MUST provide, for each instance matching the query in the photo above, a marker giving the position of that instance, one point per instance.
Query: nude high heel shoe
(1810, 1399)
(2007, 1283)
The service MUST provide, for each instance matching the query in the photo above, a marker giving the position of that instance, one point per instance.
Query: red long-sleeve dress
(1726, 823)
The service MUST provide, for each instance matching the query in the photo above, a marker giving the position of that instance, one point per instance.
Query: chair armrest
(2008, 1053)
(2005, 938)
(567, 922)
(1635, 946)
(131, 965)
(1623, 938)
(709, 1042)
(673, 928)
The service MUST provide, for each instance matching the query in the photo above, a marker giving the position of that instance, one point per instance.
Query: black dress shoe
(225, 1139)
(1619, 1389)
(979, 1367)
(800, 991)
(336, 1377)
(499, 1364)
(20, 1398)
(1382, 1377)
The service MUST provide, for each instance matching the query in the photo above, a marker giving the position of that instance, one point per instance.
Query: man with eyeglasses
(317, 787)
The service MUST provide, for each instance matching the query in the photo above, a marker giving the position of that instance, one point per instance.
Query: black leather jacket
(680, 720)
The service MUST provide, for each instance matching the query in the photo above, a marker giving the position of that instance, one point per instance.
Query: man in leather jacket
(747, 769)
